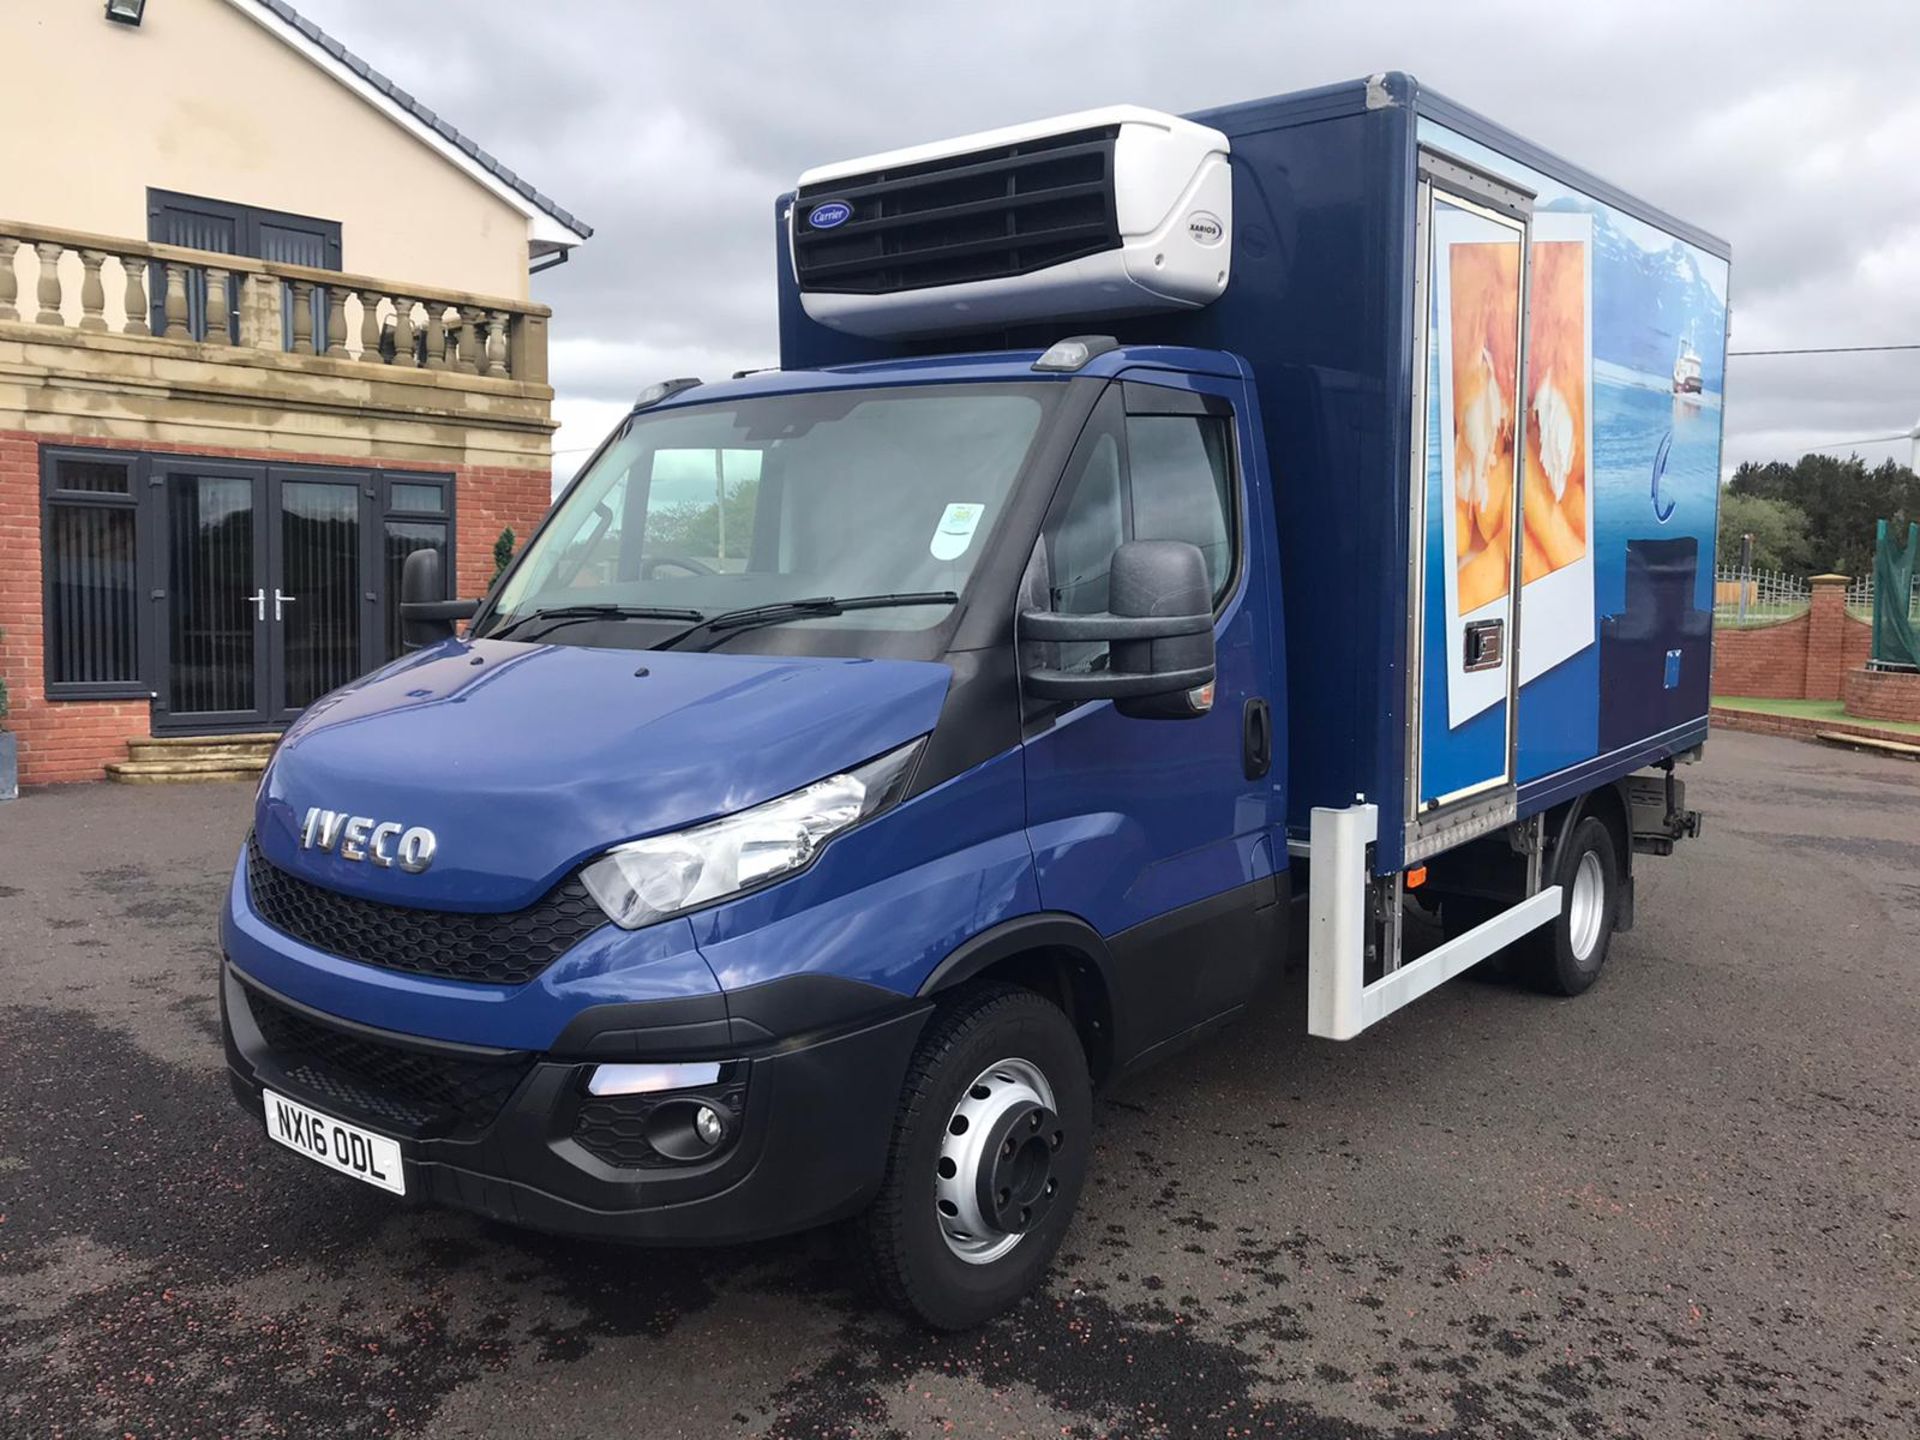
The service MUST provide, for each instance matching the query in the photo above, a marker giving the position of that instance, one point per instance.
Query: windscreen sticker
(954, 533)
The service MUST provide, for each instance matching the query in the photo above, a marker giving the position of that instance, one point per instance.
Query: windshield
(772, 499)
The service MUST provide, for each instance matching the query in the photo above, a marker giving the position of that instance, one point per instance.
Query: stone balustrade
(228, 302)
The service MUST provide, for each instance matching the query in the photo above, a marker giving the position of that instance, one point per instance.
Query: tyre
(1565, 957)
(988, 1155)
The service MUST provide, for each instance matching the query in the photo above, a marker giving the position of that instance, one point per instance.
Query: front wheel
(988, 1155)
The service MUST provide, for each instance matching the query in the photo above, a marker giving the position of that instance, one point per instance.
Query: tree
(692, 528)
(1778, 527)
(1841, 499)
(502, 551)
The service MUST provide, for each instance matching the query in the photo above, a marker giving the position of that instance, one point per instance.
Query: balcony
(127, 339)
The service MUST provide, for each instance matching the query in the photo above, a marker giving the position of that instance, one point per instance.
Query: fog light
(708, 1125)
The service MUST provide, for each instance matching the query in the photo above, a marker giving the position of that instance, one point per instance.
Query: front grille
(614, 1127)
(403, 1087)
(983, 215)
(493, 949)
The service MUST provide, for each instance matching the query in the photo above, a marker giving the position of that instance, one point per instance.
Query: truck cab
(824, 679)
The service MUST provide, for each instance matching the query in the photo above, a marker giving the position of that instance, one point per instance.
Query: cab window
(1140, 477)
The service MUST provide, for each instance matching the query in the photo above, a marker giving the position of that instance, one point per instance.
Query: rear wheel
(1565, 957)
(988, 1156)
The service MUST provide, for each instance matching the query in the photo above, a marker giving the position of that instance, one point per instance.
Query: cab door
(1161, 833)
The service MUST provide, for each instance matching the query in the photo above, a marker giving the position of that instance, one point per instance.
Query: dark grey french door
(265, 592)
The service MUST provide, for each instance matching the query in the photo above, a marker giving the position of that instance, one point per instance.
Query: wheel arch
(1057, 955)
(1610, 806)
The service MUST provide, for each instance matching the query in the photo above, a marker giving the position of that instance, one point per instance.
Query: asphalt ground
(1682, 1205)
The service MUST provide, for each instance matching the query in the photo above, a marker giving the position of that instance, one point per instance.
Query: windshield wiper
(566, 614)
(731, 622)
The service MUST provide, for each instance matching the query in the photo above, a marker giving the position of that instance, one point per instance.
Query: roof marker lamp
(645, 881)
(663, 390)
(1067, 356)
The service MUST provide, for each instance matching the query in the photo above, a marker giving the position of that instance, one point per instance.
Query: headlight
(648, 880)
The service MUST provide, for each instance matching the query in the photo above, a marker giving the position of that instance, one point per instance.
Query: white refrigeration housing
(1114, 211)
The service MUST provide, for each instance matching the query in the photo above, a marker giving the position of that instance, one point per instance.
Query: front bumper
(504, 1133)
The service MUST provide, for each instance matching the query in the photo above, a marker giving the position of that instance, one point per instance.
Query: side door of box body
(1467, 546)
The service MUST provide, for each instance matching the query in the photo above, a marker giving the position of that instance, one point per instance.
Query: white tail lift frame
(1340, 1001)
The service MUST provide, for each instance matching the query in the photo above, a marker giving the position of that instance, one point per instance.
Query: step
(1873, 744)
(187, 742)
(201, 748)
(166, 772)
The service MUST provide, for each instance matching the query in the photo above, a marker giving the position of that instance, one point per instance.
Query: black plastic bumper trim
(811, 1145)
(454, 1049)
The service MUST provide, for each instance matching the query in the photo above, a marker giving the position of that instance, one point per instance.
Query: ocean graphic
(1655, 474)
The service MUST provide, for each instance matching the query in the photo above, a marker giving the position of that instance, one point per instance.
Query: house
(264, 331)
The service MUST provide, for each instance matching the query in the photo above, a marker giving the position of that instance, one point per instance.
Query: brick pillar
(1826, 637)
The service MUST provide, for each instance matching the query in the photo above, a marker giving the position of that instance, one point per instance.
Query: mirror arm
(438, 609)
(1109, 685)
(1050, 625)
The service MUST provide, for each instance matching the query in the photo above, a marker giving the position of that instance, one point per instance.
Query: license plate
(336, 1144)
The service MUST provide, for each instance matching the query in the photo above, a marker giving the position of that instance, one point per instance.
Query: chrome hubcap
(1586, 906)
(994, 1179)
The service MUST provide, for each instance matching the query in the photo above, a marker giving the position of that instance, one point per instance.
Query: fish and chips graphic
(1485, 283)
(1554, 481)
(1490, 416)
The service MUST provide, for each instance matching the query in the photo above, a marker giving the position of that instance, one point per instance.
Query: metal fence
(1757, 597)
(1860, 598)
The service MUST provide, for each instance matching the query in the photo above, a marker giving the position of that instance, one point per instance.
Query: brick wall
(1802, 727)
(490, 500)
(1883, 695)
(1805, 658)
(1769, 661)
(73, 739)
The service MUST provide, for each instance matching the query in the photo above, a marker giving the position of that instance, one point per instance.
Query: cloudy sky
(1790, 129)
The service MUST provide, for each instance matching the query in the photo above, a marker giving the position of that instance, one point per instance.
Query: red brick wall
(1883, 695)
(58, 741)
(1856, 644)
(73, 739)
(1826, 638)
(1800, 659)
(1768, 660)
(488, 501)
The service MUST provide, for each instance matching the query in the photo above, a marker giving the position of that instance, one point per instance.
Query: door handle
(1256, 739)
(259, 601)
(280, 600)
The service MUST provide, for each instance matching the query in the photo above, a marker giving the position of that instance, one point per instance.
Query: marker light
(1069, 355)
(648, 880)
(663, 390)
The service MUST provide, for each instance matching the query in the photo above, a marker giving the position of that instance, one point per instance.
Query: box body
(1425, 302)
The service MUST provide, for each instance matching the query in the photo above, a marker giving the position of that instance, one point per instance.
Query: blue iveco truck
(1155, 526)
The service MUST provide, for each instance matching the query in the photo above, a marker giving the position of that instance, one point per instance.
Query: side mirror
(426, 615)
(1159, 630)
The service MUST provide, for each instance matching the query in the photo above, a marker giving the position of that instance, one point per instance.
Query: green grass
(1727, 616)
(1828, 710)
